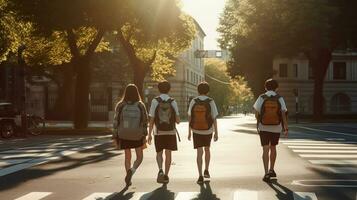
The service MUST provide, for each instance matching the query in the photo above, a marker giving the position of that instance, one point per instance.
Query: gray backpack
(130, 122)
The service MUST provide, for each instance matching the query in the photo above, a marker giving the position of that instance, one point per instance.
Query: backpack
(201, 118)
(270, 113)
(130, 122)
(165, 115)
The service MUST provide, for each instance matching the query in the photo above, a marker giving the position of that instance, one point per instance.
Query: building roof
(199, 27)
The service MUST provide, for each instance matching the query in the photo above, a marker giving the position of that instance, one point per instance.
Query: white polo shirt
(214, 113)
(154, 104)
(258, 105)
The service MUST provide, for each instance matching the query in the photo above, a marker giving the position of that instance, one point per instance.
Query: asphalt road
(317, 161)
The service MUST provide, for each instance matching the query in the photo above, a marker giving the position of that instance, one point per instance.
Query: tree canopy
(226, 91)
(256, 31)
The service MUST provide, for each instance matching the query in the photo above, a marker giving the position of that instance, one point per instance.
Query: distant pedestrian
(271, 117)
(164, 115)
(202, 114)
(130, 123)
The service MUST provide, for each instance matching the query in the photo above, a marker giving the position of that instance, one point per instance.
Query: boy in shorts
(271, 117)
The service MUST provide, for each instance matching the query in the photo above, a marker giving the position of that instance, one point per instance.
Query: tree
(261, 30)
(84, 24)
(154, 44)
(226, 91)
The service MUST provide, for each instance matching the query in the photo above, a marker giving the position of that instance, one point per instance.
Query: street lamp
(21, 63)
(296, 94)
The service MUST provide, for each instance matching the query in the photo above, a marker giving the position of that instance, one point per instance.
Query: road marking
(335, 139)
(5, 163)
(29, 155)
(34, 196)
(327, 156)
(334, 183)
(324, 147)
(343, 170)
(353, 144)
(333, 162)
(187, 195)
(333, 132)
(47, 158)
(245, 195)
(98, 196)
(304, 196)
(323, 151)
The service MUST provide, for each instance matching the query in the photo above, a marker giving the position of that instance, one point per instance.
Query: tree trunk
(319, 61)
(64, 102)
(139, 77)
(81, 105)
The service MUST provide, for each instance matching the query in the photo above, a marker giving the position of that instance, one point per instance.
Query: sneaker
(206, 174)
(200, 180)
(128, 177)
(266, 178)
(160, 176)
(166, 179)
(272, 173)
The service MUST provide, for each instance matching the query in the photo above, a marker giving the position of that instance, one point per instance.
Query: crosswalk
(14, 160)
(235, 195)
(337, 155)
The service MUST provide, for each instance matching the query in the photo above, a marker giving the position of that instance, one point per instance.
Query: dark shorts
(268, 138)
(168, 142)
(201, 140)
(130, 144)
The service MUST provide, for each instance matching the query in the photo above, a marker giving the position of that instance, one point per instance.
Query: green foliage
(257, 31)
(227, 92)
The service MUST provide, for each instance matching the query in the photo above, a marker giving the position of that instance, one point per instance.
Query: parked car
(10, 119)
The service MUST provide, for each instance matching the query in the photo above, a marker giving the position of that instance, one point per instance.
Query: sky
(206, 13)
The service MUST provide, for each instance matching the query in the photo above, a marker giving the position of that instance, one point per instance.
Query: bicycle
(35, 125)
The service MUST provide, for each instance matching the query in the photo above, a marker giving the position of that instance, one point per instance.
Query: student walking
(202, 114)
(164, 115)
(271, 117)
(130, 125)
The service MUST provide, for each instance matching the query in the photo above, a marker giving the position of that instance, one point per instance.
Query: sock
(133, 170)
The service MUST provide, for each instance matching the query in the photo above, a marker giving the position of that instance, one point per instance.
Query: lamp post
(21, 63)
(296, 94)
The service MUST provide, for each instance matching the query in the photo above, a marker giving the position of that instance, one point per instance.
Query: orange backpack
(201, 118)
(270, 113)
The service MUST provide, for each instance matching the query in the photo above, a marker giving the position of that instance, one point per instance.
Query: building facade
(340, 87)
(189, 73)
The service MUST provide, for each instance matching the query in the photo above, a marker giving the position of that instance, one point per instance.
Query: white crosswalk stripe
(329, 152)
(237, 195)
(22, 158)
(187, 195)
(34, 196)
(304, 196)
(245, 195)
(97, 196)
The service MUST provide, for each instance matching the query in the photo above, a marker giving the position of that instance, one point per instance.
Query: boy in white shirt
(271, 117)
(202, 114)
(164, 115)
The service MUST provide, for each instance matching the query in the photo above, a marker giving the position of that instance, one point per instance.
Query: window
(311, 73)
(218, 54)
(192, 78)
(295, 70)
(339, 71)
(340, 103)
(283, 70)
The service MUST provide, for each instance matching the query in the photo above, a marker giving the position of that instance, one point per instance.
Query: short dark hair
(164, 87)
(271, 84)
(203, 88)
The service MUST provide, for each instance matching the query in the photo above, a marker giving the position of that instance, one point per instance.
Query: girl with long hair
(130, 125)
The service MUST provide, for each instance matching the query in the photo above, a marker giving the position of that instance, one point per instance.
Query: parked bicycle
(11, 122)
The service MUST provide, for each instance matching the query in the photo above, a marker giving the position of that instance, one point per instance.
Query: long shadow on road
(102, 153)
